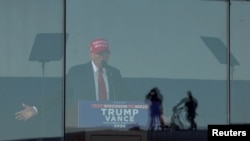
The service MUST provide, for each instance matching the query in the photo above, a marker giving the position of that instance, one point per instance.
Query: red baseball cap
(99, 45)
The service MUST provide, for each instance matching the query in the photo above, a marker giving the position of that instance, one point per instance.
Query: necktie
(101, 86)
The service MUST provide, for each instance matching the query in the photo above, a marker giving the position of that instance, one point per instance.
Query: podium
(102, 115)
(106, 121)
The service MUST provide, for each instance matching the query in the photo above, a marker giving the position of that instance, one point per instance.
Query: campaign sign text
(112, 114)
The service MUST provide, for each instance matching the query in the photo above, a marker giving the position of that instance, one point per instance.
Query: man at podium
(95, 80)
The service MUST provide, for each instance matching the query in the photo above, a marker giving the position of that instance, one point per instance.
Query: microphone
(104, 64)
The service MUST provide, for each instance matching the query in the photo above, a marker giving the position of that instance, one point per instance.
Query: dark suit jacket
(80, 83)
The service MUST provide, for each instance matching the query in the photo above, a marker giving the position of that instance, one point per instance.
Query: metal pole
(228, 65)
(64, 70)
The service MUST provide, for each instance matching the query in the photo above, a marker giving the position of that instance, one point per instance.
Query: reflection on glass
(151, 48)
(31, 81)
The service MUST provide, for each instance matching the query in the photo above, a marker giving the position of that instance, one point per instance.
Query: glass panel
(240, 36)
(31, 74)
(174, 45)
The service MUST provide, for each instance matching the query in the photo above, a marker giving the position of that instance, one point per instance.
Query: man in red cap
(99, 52)
(94, 80)
(83, 80)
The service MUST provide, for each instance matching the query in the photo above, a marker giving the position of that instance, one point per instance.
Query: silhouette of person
(155, 99)
(190, 104)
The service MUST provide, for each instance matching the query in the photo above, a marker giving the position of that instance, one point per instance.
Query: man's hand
(26, 113)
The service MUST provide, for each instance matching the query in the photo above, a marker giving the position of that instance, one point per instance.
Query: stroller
(176, 123)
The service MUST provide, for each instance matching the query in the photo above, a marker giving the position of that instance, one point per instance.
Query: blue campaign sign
(112, 114)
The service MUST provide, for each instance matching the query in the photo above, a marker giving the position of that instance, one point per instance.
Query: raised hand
(26, 113)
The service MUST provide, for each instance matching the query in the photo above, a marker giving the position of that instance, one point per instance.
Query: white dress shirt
(105, 77)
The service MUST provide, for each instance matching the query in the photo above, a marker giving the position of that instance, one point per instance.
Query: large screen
(154, 45)
(174, 45)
